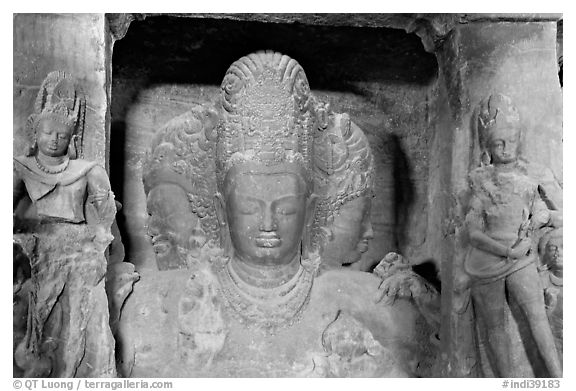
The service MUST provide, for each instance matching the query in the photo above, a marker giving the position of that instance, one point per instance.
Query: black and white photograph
(287, 195)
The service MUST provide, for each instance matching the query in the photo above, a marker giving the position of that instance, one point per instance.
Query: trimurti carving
(72, 211)
(505, 212)
(256, 306)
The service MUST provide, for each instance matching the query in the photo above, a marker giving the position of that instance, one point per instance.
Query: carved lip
(362, 246)
(160, 244)
(268, 241)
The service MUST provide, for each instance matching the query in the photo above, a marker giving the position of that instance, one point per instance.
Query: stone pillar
(514, 55)
(74, 43)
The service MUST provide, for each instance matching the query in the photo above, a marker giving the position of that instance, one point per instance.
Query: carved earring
(485, 158)
(72, 150)
(32, 148)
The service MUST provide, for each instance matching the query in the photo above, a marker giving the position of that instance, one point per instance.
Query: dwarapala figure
(505, 211)
(71, 209)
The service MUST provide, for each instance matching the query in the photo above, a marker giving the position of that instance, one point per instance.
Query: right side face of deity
(352, 231)
(266, 212)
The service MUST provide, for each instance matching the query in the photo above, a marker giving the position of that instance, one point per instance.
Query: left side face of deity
(504, 145)
(53, 137)
(171, 223)
(266, 212)
(352, 231)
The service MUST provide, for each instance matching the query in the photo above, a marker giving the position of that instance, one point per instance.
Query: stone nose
(268, 222)
(369, 232)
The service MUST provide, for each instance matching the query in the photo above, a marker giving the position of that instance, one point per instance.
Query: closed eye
(287, 210)
(248, 208)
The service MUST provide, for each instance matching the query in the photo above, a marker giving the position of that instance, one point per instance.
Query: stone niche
(382, 77)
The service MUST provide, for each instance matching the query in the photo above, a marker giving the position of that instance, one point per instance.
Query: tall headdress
(495, 113)
(267, 113)
(62, 100)
(343, 168)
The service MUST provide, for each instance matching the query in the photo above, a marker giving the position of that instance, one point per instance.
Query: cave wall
(382, 77)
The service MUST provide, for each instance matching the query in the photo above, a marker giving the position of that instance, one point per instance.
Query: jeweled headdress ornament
(62, 100)
(267, 113)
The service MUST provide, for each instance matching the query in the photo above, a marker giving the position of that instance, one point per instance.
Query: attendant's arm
(543, 216)
(475, 221)
(100, 194)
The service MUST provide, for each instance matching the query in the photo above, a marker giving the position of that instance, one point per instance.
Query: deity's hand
(393, 287)
(521, 249)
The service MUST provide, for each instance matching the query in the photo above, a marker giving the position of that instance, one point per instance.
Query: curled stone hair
(267, 114)
(61, 100)
(495, 113)
(182, 153)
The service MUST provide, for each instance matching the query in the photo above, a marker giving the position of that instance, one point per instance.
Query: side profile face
(53, 137)
(504, 146)
(171, 223)
(266, 211)
(352, 231)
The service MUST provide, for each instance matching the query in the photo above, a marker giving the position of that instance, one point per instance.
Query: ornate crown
(59, 99)
(267, 113)
(496, 112)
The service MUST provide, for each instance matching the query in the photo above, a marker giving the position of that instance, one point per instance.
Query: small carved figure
(551, 271)
(72, 211)
(504, 211)
(344, 175)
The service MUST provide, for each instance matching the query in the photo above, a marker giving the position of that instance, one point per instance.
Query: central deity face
(266, 211)
(53, 137)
